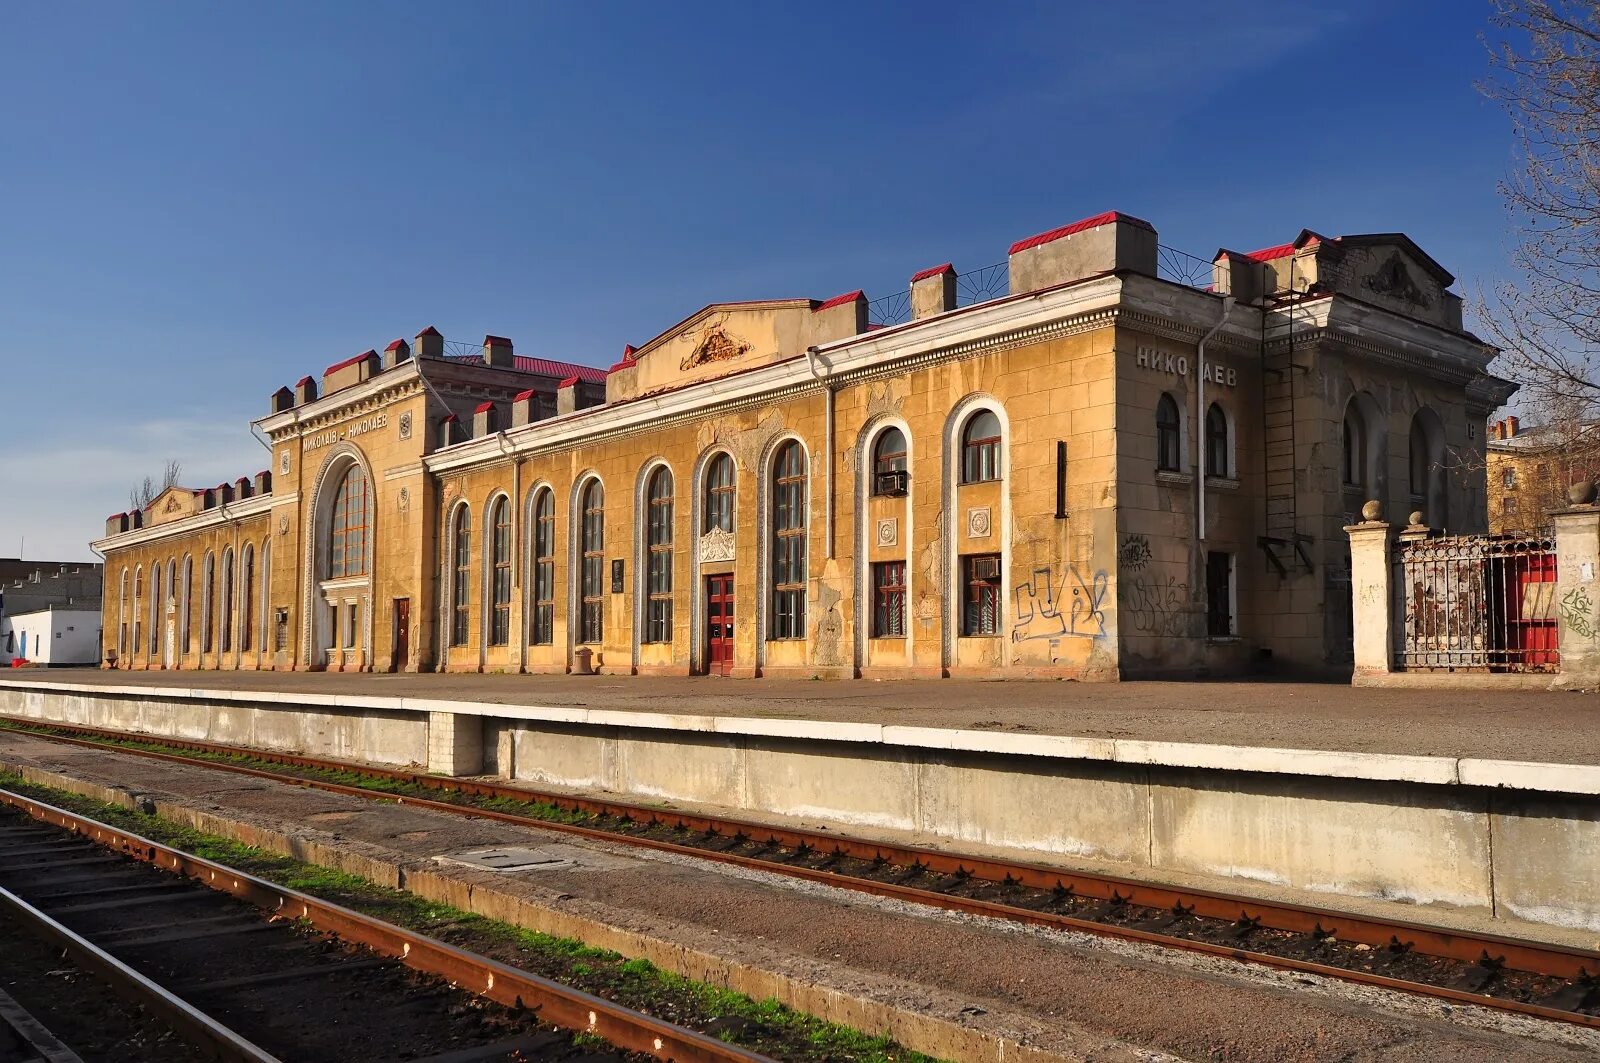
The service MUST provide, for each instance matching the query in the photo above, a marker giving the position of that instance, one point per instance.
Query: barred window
(719, 494)
(889, 599)
(1168, 448)
(593, 619)
(138, 600)
(544, 568)
(980, 448)
(981, 595)
(461, 586)
(789, 543)
(658, 607)
(500, 573)
(347, 551)
(889, 463)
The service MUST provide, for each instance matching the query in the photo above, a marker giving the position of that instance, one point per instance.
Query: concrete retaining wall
(1513, 841)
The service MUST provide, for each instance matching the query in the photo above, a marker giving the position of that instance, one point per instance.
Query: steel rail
(553, 1002)
(1512, 953)
(194, 1025)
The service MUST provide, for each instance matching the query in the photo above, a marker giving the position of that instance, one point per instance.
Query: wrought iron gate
(1476, 603)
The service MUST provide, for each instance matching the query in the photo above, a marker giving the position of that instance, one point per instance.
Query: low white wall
(1493, 837)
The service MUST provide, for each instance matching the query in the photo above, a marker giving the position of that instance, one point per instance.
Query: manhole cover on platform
(509, 858)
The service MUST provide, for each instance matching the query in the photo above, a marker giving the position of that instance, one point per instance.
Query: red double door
(719, 625)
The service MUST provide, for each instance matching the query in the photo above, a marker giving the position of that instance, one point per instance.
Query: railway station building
(1097, 459)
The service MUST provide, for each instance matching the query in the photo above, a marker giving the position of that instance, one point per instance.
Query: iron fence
(1476, 603)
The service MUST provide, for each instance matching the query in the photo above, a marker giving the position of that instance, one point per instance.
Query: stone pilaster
(1371, 605)
(1578, 593)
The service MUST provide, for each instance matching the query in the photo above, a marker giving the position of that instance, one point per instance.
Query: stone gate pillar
(1578, 593)
(1372, 616)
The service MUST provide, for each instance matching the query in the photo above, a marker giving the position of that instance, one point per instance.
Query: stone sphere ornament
(1415, 520)
(1581, 493)
(1373, 510)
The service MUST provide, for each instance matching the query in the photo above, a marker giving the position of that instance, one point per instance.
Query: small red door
(719, 625)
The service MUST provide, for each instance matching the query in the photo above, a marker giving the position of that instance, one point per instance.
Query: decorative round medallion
(405, 425)
(979, 523)
(888, 531)
(283, 463)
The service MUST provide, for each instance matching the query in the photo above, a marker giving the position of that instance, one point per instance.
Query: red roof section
(396, 345)
(484, 407)
(524, 396)
(451, 417)
(933, 271)
(1267, 254)
(840, 300)
(303, 381)
(542, 367)
(429, 331)
(1080, 226)
(569, 382)
(496, 341)
(349, 362)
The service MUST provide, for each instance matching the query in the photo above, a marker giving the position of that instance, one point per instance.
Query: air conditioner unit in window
(986, 568)
(891, 483)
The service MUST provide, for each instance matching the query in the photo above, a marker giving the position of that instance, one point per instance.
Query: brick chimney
(485, 420)
(430, 343)
(282, 399)
(933, 291)
(840, 317)
(1512, 425)
(305, 390)
(1101, 244)
(397, 353)
(524, 408)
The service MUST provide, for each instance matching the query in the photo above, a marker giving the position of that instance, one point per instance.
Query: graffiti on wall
(1577, 609)
(1134, 553)
(1154, 605)
(1054, 605)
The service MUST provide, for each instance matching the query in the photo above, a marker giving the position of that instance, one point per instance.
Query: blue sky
(199, 203)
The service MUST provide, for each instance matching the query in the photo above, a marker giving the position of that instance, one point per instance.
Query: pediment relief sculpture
(716, 344)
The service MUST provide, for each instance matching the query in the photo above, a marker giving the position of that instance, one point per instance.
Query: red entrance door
(719, 625)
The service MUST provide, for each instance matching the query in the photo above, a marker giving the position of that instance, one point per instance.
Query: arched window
(138, 613)
(347, 547)
(171, 596)
(460, 586)
(155, 611)
(889, 472)
(247, 597)
(500, 574)
(1355, 447)
(225, 614)
(592, 619)
(543, 630)
(789, 542)
(1168, 434)
(1219, 456)
(207, 597)
(185, 604)
(719, 494)
(266, 588)
(980, 448)
(122, 616)
(658, 604)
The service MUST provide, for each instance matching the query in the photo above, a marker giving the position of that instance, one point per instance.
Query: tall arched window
(461, 585)
(122, 616)
(170, 596)
(719, 494)
(543, 630)
(658, 604)
(1219, 457)
(1355, 447)
(208, 585)
(789, 542)
(592, 620)
(980, 448)
(347, 548)
(155, 611)
(225, 613)
(1420, 463)
(1169, 446)
(889, 471)
(266, 589)
(185, 605)
(500, 572)
(247, 597)
(138, 613)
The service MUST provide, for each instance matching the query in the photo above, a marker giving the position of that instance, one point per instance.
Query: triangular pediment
(174, 503)
(716, 341)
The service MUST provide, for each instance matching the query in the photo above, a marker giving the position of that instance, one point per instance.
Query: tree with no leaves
(1546, 73)
(146, 492)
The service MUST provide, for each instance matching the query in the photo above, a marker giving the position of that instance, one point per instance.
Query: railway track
(244, 969)
(1528, 978)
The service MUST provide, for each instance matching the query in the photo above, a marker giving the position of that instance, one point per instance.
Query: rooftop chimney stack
(1105, 243)
(397, 353)
(497, 352)
(933, 292)
(430, 343)
(1512, 425)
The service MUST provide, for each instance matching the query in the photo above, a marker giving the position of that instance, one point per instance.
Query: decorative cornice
(205, 520)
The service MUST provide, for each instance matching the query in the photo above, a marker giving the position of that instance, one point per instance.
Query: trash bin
(583, 661)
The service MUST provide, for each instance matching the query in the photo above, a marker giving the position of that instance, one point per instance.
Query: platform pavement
(1486, 737)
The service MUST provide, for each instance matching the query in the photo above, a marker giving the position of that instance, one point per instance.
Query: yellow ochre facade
(1126, 462)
